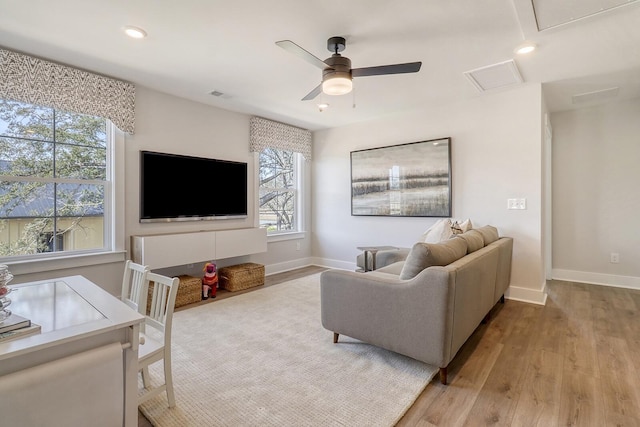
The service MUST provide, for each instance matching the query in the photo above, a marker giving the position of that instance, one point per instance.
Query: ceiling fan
(337, 73)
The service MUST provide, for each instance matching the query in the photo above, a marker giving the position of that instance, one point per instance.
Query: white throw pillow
(438, 232)
(465, 225)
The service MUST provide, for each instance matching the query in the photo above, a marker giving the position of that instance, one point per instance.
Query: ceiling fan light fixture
(337, 85)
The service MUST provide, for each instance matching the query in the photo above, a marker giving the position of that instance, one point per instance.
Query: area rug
(264, 359)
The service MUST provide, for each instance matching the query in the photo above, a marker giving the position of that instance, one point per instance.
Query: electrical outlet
(615, 257)
(517, 203)
(297, 246)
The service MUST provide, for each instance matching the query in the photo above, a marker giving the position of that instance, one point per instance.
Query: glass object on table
(5, 278)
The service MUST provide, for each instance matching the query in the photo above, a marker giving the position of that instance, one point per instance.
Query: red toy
(209, 281)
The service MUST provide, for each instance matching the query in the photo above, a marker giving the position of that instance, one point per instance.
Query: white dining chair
(156, 345)
(135, 286)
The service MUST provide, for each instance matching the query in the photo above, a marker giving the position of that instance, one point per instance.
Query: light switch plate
(520, 203)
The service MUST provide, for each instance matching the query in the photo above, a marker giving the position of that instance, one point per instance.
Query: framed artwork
(411, 179)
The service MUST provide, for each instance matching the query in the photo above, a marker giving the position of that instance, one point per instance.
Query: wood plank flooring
(573, 362)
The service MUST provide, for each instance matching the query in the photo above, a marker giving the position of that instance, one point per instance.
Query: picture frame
(405, 180)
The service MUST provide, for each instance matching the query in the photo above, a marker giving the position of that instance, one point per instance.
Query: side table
(373, 250)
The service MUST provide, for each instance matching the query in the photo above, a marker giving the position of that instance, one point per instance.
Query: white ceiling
(197, 46)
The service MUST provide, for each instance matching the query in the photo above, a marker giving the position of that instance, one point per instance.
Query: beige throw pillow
(425, 255)
(489, 234)
(438, 232)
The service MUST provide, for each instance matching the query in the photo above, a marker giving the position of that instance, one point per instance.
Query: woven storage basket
(241, 276)
(189, 291)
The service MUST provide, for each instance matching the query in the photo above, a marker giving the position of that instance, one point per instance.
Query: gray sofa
(427, 306)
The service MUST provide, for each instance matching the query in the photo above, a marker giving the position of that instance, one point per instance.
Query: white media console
(168, 250)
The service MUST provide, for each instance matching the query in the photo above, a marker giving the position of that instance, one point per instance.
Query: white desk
(78, 319)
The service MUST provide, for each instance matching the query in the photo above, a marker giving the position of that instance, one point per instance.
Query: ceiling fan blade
(409, 67)
(315, 92)
(290, 46)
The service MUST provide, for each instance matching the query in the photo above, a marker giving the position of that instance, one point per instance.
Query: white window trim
(116, 251)
(299, 203)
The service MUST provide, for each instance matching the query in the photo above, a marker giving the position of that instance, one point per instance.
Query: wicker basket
(241, 276)
(189, 291)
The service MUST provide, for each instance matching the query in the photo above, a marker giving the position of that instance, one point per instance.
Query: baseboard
(628, 282)
(306, 262)
(287, 266)
(334, 263)
(528, 295)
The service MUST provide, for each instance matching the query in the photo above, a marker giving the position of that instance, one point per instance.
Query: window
(279, 175)
(54, 175)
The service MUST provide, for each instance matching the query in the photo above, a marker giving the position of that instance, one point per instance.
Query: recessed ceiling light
(135, 32)
(525, 48)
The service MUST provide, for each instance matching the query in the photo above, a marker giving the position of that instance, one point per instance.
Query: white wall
(595, 194)
(496, 155)
(174, 125)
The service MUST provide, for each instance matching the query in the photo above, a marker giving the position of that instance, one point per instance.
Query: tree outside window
(279, 190)
(53, 178)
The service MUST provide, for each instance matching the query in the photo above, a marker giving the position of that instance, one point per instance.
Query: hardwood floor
(573, 362)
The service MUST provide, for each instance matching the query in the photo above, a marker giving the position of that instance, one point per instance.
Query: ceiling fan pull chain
(353, 94)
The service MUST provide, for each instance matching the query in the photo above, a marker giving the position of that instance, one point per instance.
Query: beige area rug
(264, 359)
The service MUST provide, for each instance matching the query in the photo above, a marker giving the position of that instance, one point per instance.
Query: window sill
(281, 237)
(65, 262)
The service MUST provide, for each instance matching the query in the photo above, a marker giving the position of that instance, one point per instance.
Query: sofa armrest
(412, 317)
(384, 258)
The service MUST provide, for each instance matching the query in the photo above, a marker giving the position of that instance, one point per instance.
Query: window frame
(112, 249)
(299, 173)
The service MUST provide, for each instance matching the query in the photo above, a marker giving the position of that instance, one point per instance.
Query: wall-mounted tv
(185, 188)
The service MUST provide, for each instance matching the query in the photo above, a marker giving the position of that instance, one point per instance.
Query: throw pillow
(425, 255)
(456, 229)
(474, 240)
(466, 225)
(489, 234)
(438, 232)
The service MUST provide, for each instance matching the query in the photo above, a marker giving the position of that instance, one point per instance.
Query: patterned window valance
(35, 81)
(269, 134)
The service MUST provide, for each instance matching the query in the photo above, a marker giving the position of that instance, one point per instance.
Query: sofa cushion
(489, 234)
(438, 232)
(474, 240)
(425, 255)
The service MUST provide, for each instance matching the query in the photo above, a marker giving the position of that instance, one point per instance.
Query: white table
(79, 320)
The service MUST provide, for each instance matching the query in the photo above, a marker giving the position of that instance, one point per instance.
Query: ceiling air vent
(495, 76)
(219, 94)
(598, 95)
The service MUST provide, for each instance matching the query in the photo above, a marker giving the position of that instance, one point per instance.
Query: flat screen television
(185, 188)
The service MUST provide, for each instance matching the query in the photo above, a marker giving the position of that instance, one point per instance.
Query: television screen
(182, 188)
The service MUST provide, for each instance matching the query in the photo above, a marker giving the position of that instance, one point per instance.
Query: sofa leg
(486, 318)
(502, 299)
(335, 337)
(443, 375)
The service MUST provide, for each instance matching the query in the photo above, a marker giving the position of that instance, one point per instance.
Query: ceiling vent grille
(598, 95)
(495, 76)
(219, 94)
